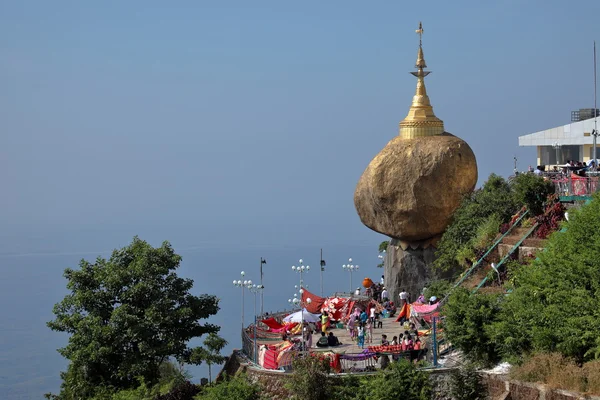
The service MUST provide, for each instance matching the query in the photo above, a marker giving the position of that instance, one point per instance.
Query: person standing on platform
(361, 335)
(324, 322)
(384, 294)
(403, 297)
(369, 332)
(372, 314)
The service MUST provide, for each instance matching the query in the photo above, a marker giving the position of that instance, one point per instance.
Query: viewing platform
(572, 187)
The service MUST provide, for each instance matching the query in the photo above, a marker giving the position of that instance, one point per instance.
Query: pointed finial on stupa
(420, 121)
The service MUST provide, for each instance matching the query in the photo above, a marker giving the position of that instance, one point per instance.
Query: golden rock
(412, 187)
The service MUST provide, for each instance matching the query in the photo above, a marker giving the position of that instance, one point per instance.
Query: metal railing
(568, 186)
(478, 263)
(508, 255)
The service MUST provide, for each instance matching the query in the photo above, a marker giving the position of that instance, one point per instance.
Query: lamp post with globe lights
(302, 304)
(350, 268)
(301, 269)
(243, 284)
(557, 146)
(255, 289)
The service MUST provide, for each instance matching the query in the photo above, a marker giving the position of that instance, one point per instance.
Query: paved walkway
(390, 328)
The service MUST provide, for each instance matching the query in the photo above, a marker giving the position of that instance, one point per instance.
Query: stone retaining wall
(523, 251)
(499, 387)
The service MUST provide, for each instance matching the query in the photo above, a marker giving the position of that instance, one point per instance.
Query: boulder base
(409, 269)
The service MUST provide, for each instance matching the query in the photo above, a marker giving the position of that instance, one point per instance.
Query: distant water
(32, 283)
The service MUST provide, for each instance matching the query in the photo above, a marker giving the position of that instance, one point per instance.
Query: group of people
(360, 325)
(328, 340)
(578, 167)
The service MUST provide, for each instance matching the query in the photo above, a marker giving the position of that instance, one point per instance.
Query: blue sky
(200, 121)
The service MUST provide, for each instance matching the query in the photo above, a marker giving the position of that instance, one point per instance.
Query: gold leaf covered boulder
(412, 187)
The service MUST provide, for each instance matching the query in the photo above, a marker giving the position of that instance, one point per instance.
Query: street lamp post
(350, 268)
(322, 269)
(255, 289)
(262, 261)
(242, 284)
(557, 147)
(301, 269)
(299, 303)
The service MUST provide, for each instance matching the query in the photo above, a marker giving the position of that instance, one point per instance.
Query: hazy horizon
(237, 130)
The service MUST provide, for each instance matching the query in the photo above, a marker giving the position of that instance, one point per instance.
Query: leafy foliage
(486, 232)
(237, 387)
(532, 191)
(400, 380)
(465, 383)
(494, 198)
(310, 378)
(468, 321)
(348, 387)
(550, 219)
(126, 316)
(184, 391)
(383, 246)
(555, 306)
(210, 353)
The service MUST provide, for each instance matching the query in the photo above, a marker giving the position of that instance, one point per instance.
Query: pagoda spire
(420, 121)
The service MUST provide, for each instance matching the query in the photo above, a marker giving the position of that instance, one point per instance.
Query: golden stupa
(412, 187)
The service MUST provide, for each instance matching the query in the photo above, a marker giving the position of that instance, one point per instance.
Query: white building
(555, 146)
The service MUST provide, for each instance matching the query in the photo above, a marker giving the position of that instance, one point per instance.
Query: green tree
(210, 353)
(237, 388)
(555, 306)
(310, 380)
(400, 380)
(126, 316)
(468, 321)
(383, 246)
(532, 190)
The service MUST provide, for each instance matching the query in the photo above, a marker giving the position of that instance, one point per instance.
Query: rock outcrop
(409, 269)
(412, 187)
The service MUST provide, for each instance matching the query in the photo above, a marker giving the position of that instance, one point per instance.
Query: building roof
(575, 133)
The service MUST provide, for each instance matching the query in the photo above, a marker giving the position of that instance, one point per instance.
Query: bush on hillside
(558, 371)
(532, 190)
(494, 198)
(400, 380)
(465, 383)
(554, 306)
(549, 221)
(237, 387)
(310, 380)
(468, 320)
